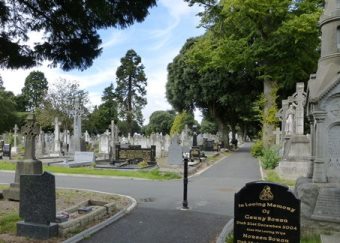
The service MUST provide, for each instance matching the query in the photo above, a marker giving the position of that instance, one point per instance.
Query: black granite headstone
(6, 152)
(266, 212)
(37, 206)
(1, 148)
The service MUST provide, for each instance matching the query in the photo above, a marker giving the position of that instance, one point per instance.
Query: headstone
(282, 116)
(1, 148)
(29, 166)
(296, 152)
(104, 143)
(82, 159)
(175, 154)
(30, 130)
(277, 134)
(7, 151)
(266, 212)
(299, 97)
(37, 207)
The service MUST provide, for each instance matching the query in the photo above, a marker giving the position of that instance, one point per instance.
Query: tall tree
(100, 118)
(34, 90)
(70, 29)
(130, 90)
(7, 110)
(277, 39)
(223, 94)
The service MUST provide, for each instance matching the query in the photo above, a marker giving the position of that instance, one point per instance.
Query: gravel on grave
(65, 199)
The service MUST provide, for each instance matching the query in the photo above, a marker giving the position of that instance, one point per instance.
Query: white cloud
(114, 39)
(177, 8)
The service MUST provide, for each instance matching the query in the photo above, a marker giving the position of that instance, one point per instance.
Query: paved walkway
(157, 217)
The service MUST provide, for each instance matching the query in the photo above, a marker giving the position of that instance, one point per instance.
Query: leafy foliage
(208, 126)
(59, 103)
(130, 91)
(275, 42)
(180, 121)
(7, 110)
(160, 122)
(100, 118)
(257, 149)
(270, 158)
(69, 29)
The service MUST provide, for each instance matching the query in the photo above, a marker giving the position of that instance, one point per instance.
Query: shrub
(257, 149)
(270, 158)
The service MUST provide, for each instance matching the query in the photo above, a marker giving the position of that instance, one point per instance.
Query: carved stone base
(13, 193)
(26, 167)
(320, 205)
(292, 170)
(37, 231)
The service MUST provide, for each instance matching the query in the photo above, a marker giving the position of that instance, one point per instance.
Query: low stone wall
(104, 210)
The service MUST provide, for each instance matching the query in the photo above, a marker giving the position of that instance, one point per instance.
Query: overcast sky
(157, 40)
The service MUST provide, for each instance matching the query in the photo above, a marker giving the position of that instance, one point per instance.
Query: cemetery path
(157, 218)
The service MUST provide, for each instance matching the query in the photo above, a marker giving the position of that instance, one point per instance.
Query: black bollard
(185, 184)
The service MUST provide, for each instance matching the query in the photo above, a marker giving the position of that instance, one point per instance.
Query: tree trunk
(268, 137)
(224, 130)
(129, 113)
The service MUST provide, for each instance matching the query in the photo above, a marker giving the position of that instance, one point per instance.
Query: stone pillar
(77, 112)
(56, 124)
(15, 137)
(319, 166)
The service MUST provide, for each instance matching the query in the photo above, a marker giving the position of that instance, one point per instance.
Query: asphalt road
(157, 217)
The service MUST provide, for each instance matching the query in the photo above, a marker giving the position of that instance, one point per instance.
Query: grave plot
(132, 157)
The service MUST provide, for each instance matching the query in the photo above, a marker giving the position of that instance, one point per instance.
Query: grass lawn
(151, 174)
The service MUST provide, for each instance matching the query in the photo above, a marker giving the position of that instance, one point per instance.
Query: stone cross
(281, 114)
(299, 97)
(15, 135)
(277, 134)
(30, 130)
(77, 112)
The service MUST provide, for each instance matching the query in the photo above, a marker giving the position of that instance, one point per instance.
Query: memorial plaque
(266, 212)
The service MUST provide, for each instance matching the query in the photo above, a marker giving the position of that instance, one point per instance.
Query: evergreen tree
(70, 29)
(35, 90)
(130, 91)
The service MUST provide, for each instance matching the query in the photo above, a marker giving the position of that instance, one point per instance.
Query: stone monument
(37, 207)
(320, 191)
(56, 124)
(296, 146)
(15, 140)
(30, 165)
(77, 113)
